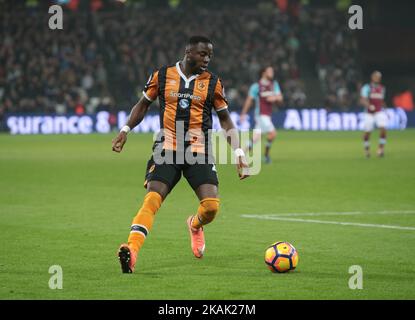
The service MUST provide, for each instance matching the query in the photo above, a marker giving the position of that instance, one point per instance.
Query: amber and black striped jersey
(186, 105)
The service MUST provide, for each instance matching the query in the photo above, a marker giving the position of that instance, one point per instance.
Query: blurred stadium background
(102, 58)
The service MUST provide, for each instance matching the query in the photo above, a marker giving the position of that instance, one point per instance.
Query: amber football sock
(206, 212)
(143, 221)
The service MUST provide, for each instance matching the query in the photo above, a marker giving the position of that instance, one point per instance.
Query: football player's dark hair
(196, 39)
(261, 71)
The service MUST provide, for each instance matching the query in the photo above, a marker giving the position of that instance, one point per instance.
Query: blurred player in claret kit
(372, 97)
(187, 93)
(265, 93)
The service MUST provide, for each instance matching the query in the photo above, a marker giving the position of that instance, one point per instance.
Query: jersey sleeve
(365, 91)
(219, 100)
(254, 91)
(150, 90)
(277, 89)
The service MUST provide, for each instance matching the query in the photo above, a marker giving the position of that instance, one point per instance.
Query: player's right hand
(119, 141)
(242, 118)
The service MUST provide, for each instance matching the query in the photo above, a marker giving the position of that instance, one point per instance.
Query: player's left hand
(241, 164)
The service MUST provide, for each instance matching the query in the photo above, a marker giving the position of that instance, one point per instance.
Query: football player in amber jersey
(188, 93)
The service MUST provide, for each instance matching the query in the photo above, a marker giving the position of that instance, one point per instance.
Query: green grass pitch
(69, 201)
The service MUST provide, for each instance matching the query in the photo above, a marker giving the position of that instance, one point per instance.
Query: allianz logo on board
(320, 119)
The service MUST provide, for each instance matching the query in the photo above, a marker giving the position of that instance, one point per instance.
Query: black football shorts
(195, 174)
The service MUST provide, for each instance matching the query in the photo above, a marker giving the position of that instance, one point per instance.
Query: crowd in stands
(50, 71)
(335, 50)
(102, 60)
(244, 41)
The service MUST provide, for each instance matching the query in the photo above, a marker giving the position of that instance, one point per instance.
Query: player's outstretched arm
(245, 108)
(233, 139)
(136, 116)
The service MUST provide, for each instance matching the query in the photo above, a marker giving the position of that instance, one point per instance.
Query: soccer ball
(281, 257)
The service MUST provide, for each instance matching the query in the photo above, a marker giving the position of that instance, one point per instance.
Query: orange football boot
(127, 257)
(197, 239)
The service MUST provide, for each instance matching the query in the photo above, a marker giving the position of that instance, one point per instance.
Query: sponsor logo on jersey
(185, 95)
(376, 95)
(184, 103)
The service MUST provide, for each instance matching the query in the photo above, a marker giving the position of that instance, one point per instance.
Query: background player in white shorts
(372, 98)
(265, 93)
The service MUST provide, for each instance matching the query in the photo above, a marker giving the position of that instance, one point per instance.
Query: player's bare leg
(270, 138)
(127, 253)
(256, 137)
(382, 142)
(208, 208)
(366, 144)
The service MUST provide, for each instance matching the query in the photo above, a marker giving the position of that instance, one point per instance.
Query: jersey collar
(182, 75)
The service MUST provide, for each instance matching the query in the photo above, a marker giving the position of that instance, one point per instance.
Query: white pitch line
(368, 225)
(294, 214)
(395, 212)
